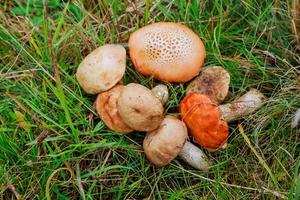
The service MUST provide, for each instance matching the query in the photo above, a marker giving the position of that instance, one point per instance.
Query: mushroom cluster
(169, 52)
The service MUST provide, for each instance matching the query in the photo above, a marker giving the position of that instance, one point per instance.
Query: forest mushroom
(161, 92)
(139, 108)
(163, 145)
(213, 82)
(102, 68)
(168, 51)
(189, 153)
(203, 118)
(208, 122)
(106, 107)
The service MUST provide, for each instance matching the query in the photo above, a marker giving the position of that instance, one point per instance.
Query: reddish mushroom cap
(202, 117)
(168, 51)
(106, 107)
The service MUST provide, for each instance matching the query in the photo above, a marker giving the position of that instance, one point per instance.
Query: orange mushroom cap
(168, 51)
(106, 107)
(203, 119)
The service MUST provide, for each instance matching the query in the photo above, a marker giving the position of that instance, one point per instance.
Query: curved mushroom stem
(246, 104)
(194, 156)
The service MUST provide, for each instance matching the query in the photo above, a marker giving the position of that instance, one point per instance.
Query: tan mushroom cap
(139, 108)
(168, 51)
(213, 82)
(106, 107)
(102, 68)
(162, 145)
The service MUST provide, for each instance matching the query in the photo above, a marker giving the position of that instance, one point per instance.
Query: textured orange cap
(202, 117)
(168, 51)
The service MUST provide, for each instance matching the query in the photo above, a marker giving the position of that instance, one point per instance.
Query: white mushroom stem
(194, 156)
(245, 105)
(296, 119)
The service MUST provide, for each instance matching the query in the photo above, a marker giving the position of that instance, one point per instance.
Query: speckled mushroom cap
(106, 107)
(168, 51)
(102, 68)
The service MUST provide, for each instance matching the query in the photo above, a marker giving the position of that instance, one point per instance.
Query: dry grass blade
(261, 160)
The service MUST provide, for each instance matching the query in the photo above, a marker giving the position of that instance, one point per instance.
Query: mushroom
(203, 118)
(102, 68)
(161, 92)
(208, 122)
(213, 82)
(106, 107)
(168, 51)
(163, 145)
(139, 108)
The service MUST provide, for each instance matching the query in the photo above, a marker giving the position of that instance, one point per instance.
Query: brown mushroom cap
(102, 68)
(139, 108)
(213, 82)
(168, 51)
(162, 145)
(106, 107)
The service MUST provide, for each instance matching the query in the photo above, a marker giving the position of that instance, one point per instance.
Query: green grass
(53, 145)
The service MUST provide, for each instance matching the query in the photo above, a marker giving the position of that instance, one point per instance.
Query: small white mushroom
(296, 119)
(102, 68)
(245, 105)
(161, 92)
